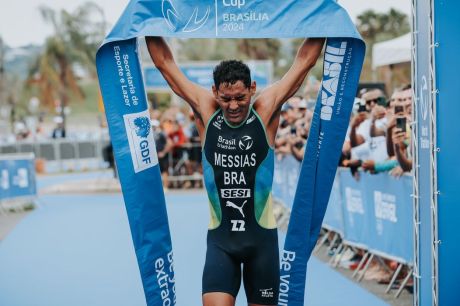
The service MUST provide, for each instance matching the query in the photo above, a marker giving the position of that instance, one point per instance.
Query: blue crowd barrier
(17, 176)
(378, 214)
(374, 213)
(285, 178)
(333, 219)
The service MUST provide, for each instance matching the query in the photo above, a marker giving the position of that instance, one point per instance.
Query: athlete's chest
(244, 146)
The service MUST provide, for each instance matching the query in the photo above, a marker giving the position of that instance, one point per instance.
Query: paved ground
(8, 222)
(405, 299)
(107, 210)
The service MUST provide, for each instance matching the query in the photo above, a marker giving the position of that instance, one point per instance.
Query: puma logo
(233, 205)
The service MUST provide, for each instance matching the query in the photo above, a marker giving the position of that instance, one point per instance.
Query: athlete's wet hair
(230, 72)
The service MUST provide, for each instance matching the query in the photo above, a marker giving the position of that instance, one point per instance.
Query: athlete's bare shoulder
(207, 106)
(268, 114)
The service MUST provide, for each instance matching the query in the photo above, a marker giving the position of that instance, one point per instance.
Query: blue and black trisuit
(238, 167)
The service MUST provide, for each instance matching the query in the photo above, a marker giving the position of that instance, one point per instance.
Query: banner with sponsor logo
(17, 176)
(357, 210)
(123, 92)
(333, 219)
(447, 175)
(201, 73)
(374, 212)
(342, 67)
(378, 214)
(285, 179)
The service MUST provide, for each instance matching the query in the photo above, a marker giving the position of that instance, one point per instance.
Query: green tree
(375, 27)
(72, 46)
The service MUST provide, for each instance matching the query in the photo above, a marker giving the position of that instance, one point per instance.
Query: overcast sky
(21, 23)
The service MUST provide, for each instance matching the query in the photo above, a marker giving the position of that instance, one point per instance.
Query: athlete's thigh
(218, 299)
(261, 277)
(222, 273)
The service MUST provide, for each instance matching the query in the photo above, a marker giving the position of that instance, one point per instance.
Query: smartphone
(362, 108)
(382, 101)
(401, 123)
(399, 109)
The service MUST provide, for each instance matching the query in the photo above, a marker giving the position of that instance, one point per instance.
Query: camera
(362, 108)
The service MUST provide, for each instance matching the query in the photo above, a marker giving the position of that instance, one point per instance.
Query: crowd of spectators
(293, 129)
(378, 137)
(378, 140)
(178, 147)
(36, 129)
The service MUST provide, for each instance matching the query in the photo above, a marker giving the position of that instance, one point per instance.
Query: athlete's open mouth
(234, 114)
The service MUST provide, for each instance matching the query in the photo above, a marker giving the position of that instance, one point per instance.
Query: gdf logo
(141, 141)
(142, 126)
(246, 143)
(177, 22)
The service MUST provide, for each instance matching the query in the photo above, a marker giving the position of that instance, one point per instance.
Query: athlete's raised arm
(163, 59)
(269, 102)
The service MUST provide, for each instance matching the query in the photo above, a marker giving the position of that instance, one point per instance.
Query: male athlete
(238, 160)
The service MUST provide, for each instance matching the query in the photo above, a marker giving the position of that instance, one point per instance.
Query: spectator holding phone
(367, 140)
(361, 123)
(399, 129)
(299, 140)
(285, 131)
(390, 163)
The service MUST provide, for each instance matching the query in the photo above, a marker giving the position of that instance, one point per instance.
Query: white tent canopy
(393, 51)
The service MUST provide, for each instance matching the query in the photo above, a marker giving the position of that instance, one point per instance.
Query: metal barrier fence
(374, 214)
(75, 155)
(63, 154)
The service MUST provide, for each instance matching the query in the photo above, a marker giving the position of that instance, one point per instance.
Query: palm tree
(74, 44)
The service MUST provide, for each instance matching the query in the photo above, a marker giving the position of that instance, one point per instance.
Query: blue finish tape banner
(17, 178)
(342, 67)
(124, 97)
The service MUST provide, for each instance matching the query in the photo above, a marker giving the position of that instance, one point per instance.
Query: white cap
(58, 119)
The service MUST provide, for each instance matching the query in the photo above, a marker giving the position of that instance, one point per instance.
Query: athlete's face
(234, 100)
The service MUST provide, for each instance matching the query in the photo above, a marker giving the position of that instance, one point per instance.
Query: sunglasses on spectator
(379, 101)
(401, 100)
